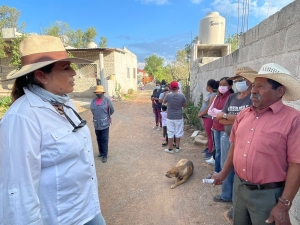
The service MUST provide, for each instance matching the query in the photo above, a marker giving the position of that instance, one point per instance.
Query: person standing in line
(157, 105)
(211, 88)
(47, 168)
(234, 104)
(163, 114)
(102, 109)
(225, 89)
(264, 150)
(175, 102)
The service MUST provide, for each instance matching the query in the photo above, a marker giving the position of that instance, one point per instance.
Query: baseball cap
(174, 85)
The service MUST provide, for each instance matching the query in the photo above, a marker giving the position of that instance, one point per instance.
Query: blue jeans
(98, 220)
(102, 139)
(227, 186)
(217, 141)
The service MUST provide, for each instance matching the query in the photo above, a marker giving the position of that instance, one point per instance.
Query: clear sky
(145, 27)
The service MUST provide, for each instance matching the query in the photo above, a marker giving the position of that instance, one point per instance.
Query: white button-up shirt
(47, 172)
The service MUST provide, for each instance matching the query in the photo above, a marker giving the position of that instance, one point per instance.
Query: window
(128, 72)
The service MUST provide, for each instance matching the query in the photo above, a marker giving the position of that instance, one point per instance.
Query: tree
(89, 35)
(180, 67)
(57, 29)
(8, 19)
(188, 48)
(234, 41)
(103, 42)
(153, 64)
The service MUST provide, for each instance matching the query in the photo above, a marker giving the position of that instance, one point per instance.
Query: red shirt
(219, 104)
(264, 144)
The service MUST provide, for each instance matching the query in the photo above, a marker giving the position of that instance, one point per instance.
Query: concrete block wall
(275, 39)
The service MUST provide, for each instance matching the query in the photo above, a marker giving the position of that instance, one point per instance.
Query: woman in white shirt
(47, 171)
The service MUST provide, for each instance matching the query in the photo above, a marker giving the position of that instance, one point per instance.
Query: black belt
(251, 186)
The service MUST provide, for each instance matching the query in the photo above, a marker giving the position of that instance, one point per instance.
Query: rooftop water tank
(212, 29)
(92, 45)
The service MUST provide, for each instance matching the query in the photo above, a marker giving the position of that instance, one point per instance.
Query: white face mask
(241, 86)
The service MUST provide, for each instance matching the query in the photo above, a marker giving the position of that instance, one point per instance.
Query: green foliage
(16, 58)
(8, 19)
(155, 67)
(103, 42)
(188, 48)
(4, 104)
(190, 114)
(234, 41)
(180, 67)
(118, 89)
(130, 91)
(77, 38)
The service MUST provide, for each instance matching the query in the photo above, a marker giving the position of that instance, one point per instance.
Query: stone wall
(276, 39)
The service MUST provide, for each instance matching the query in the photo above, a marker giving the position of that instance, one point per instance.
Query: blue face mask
(99, 95)
(241, 86)
(162, 86)
(158, 87)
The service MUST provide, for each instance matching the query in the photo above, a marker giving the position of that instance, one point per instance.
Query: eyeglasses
(82, 122)
(239, 80)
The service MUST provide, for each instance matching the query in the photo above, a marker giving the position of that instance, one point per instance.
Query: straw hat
(99, 88)
(39, 51)
(281, 75)
(242, 70)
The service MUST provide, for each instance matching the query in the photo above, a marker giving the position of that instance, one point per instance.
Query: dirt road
(132, 184)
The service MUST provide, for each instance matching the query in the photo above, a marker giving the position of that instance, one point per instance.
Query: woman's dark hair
(25, 81)
(163, 82)
(213, 84)
(164, 108)
(229, 82)
(157, 82)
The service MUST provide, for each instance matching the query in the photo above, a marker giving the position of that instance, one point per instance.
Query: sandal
(164, 144)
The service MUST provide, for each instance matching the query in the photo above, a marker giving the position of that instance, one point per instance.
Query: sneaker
(155, 127)
(210, 161)
(100, 155)
(207, 156)
(230, 214)
(168, 151)
(158, 128)
(205, 151)
(177, 149)
(104, 159)
(218, 198)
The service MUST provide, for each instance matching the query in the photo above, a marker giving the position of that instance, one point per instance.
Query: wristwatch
(225, 115)
(285, 201)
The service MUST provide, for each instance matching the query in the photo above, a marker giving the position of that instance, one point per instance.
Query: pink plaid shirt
(265, 143)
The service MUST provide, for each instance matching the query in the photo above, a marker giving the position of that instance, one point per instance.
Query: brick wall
(276, 39)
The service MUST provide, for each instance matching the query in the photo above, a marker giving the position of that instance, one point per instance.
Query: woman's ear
(40, 76)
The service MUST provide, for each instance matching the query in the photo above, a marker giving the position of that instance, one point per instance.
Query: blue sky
(145, 27)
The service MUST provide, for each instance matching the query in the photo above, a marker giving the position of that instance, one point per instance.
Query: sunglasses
(82, 122)
(239, 80)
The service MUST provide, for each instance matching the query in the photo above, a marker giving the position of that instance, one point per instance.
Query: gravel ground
(132, 184)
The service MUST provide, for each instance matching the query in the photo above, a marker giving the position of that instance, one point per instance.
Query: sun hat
(38, 51)
(276, 72)
(242, 70)
(174, 85)
(99, 88)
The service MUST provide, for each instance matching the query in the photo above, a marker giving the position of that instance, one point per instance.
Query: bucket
(112, 77)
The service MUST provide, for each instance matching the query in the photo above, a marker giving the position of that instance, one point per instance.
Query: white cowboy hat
(242, 70)
(39, 51)
(276, 72)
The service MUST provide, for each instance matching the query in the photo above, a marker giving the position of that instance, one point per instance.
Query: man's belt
(251, 186)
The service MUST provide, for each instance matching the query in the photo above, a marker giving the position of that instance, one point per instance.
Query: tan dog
(182, 171)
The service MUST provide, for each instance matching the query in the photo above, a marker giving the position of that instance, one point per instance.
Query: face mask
(223, 89)
(157, 87)
(241, 86)
(163, 86)
(99, 95)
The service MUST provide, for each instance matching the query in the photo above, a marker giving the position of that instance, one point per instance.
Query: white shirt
(47, 172)
(163, 118)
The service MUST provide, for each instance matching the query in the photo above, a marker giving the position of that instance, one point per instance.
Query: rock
(200, 140)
